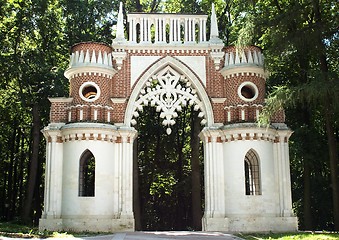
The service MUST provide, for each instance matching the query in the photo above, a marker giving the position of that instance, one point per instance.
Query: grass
(291, 236)
(17, 230)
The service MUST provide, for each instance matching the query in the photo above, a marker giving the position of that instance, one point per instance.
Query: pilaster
(51, 216)
(126, 158)
(283, 161)
(214, 215)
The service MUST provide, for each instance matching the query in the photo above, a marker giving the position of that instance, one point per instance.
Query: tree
(298, 39)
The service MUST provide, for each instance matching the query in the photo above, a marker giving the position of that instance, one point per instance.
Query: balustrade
(166, 28)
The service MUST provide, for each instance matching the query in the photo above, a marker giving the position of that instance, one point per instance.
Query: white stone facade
(247, 176)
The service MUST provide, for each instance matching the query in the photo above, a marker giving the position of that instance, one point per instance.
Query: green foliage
(298, 39)
(290, 236)
(165, 171)
(300, 42)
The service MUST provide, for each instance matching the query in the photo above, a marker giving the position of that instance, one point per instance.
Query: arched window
(252, 173)
(87, 175)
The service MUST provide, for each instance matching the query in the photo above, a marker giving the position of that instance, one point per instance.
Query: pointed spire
(214, 26)
(120, 36)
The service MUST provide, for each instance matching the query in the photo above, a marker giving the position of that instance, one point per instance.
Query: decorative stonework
(168, 91)
(248, 61)
(166, 63)
(90, 63)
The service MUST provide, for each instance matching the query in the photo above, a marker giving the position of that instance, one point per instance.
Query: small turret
(245, 83)
(90, 73)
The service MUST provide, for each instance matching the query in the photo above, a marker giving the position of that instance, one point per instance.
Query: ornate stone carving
(168, 91)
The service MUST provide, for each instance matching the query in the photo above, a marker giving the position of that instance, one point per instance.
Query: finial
(120, 36)
(214, 26)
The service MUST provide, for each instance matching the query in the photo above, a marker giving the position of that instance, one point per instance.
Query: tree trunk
(308, 225)
(328, 114)
(33, 168)
(195, 165)
(21, 173)
(333, 152)
(12, 148)
(15, 174)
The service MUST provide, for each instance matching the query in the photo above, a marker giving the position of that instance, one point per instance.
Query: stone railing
(166, 28)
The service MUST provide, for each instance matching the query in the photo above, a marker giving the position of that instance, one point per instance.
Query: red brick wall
(119, 87)
(103, 83)
(58, 113)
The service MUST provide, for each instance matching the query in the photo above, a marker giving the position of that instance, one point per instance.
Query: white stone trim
(118, 100)
(253, 86)
(218, 100)
(89, 70)
(89, 84)
(60, 100)
(236, 71)
(175, 64)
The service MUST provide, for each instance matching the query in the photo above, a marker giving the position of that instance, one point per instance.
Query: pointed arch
(87, 174)
(182, 69)
(252, 173)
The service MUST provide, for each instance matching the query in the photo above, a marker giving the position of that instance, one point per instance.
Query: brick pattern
(215, 81)
(58, 112)
(232, 84)
(278, 117)
(242, 113)
(218, 112)
(119, 112)
(102, 82)
(89, 113)
(234, 109)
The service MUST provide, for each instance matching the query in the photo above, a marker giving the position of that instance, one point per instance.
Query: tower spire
(120, 36)
(214, 37)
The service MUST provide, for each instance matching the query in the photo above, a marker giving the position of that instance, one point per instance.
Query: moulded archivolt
(168, 91)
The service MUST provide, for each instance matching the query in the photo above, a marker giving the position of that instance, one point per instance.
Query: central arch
(182, 69)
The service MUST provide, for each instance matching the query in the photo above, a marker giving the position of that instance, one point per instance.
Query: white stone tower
(88, 179)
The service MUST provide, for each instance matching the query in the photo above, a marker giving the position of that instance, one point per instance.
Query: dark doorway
(168, 172)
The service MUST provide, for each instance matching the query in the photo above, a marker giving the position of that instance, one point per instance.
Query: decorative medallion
(168, 91)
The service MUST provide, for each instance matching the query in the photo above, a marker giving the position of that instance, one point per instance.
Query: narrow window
(252, 173)
(87, 175)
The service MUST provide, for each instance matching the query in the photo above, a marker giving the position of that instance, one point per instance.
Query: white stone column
(189, 29)
(171, 30)
(214, 215)
(127, 140)
(204, 30)
(157, 29)
(193, 30)
(141, 30)
(287, 210)
(200, 30)
(282, 154)
(134, 31)
(130, 32)
(53, 175)
(47, 175)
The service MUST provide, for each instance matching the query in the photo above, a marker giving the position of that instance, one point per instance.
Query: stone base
(215, 224)
(87, 225)
(251, 224)
(50, 224)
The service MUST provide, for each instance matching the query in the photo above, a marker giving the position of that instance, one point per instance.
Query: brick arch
(183, 69)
